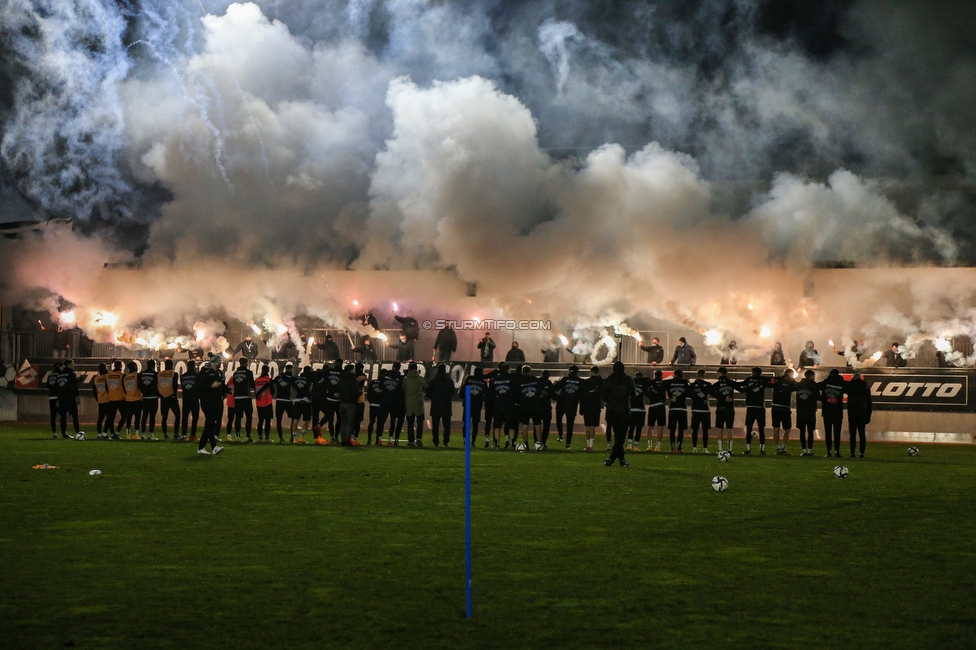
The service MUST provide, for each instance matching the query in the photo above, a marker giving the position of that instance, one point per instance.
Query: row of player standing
(511, 402)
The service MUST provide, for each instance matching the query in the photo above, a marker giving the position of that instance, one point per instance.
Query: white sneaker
(203, 451)
(217, 450)
(694, 450)
(609, 446)
(706, 450)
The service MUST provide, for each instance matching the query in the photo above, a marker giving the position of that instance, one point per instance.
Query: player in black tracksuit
(678, 389)
(377, 414)
(781, 410)
(503, 389)
(392, 401)
(301, 409)
(527, 398)
(617, 392)
(591, 404)
(701, 414)
(657, 414)
(333, 416)
(211, 389)
(52, 396)
(318, 395)
(68, 398)
(243, 403)
(191, 399)
(546, 393)
(724, 391)
(638, 413)
(478, 386)
(755, 387)
(281, 388)
(489, 406)
(858, 411)
(567, 404)
(149, 386)
(807, 396)
(832, 391)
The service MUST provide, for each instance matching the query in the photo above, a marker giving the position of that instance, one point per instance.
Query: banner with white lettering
(919, 390)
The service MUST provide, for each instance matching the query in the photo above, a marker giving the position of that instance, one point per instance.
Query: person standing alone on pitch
(858, 411)
(210, 387)
(617, 392)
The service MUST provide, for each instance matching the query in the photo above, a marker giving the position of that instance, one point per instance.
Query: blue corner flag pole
(469, 442)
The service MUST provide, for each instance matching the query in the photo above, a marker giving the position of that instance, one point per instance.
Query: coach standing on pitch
(616, 393)
(211, 388)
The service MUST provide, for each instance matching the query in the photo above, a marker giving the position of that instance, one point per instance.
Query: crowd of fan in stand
(514, 402)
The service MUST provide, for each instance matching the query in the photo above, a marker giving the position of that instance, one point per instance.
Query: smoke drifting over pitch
(676, 161)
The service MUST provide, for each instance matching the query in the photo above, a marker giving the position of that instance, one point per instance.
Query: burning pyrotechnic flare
(563, 340)
(256, 329)
(713, 337)
(68, 317)
(942, 345)
(141, 341)
(876, 356)
(765, 332)
(226, 354)
(107, 319)
(381, 336)
(355, 302)
(394, 307)
(282, 329)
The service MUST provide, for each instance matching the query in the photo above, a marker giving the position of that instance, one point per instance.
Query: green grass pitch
(274, 547)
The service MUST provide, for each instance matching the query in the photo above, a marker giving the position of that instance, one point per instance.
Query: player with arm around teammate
(701, 414)
(807, 396)
(781, 410)
(724, 391)
(754, 386)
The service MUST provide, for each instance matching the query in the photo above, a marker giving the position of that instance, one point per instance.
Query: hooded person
(329, 348)
(365, 350)
(777, 357)
(515, 354)
(809, 358)
(616, 392)
(440, 391)
(730, 355)
(414, 387)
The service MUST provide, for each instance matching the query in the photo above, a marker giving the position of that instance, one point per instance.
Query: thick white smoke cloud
(290, 155)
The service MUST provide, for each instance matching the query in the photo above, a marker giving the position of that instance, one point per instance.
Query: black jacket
(858, 401)
(515, 355)
(440, 390)
(655, 353)
(616, 392)
(348, 389)
(329, 349)
(404, 350)
(409, 326)
(487, 347)
(446, 340)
